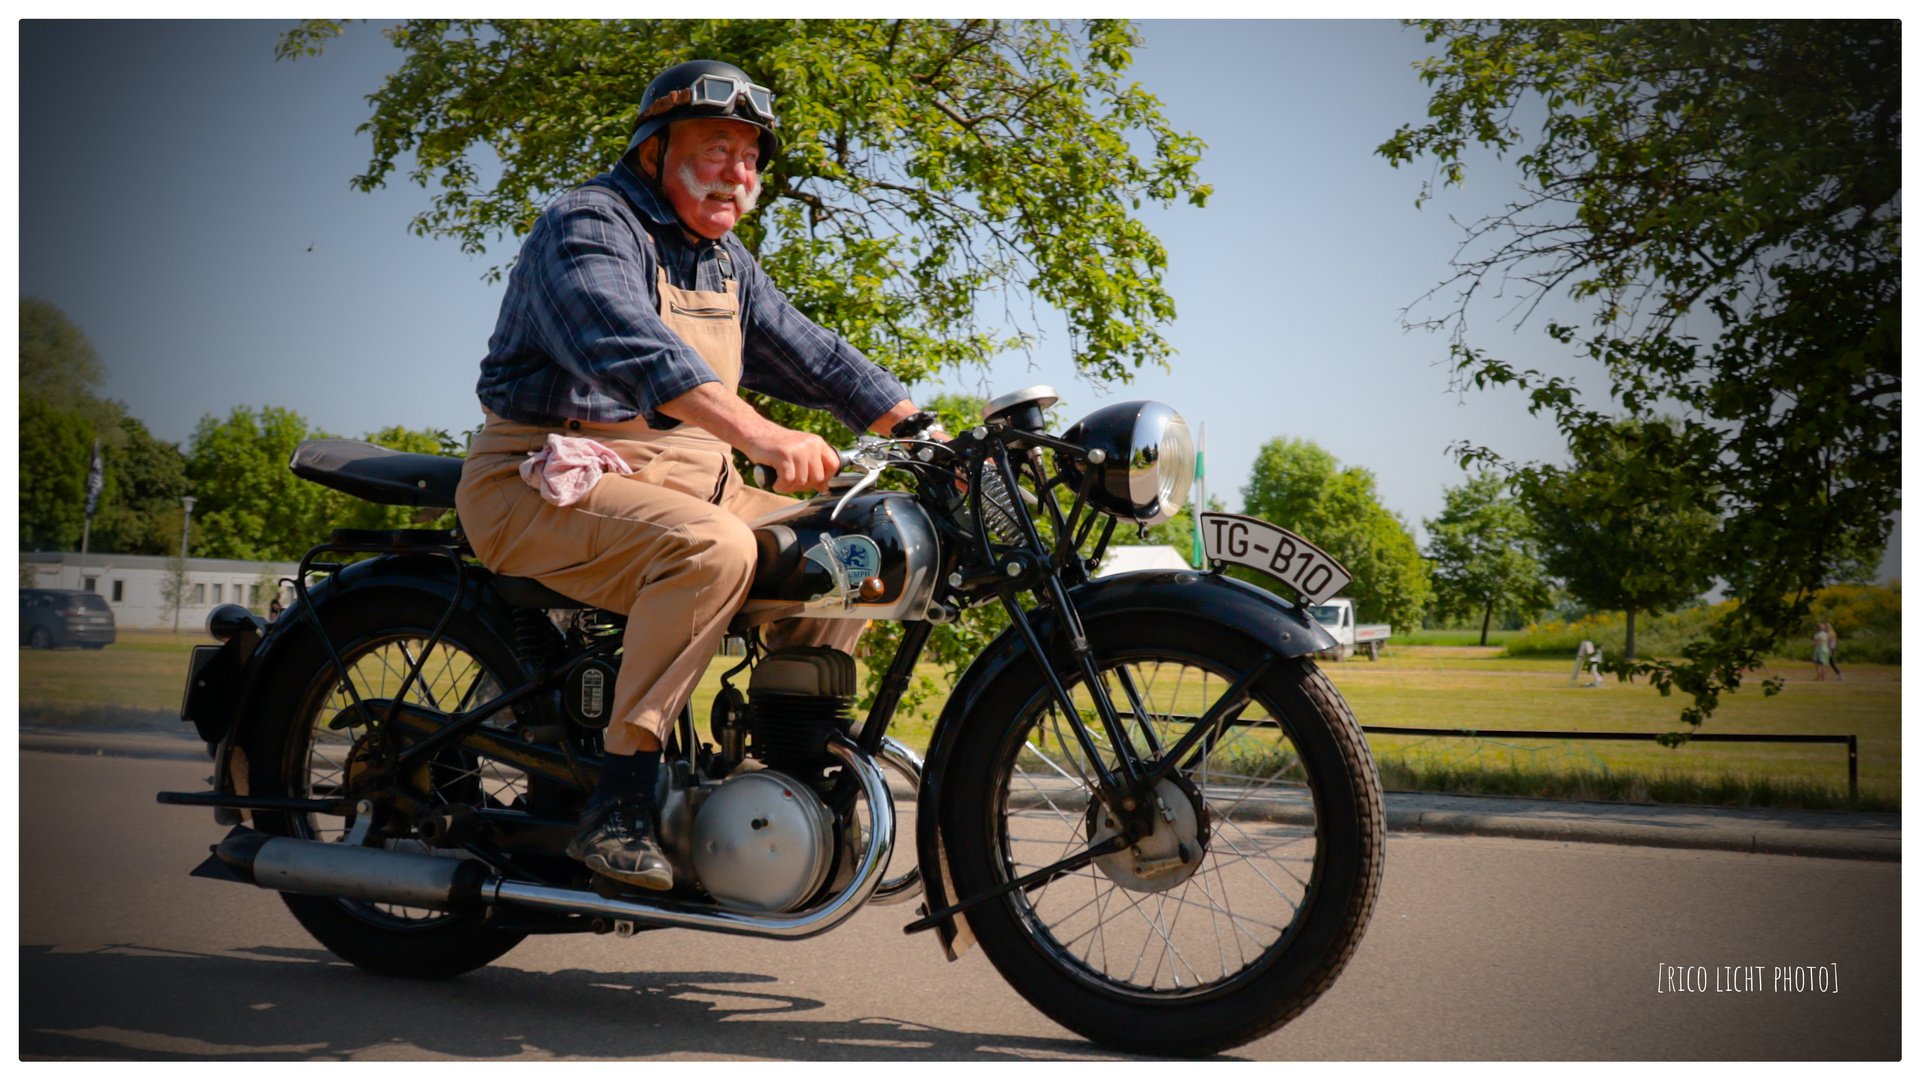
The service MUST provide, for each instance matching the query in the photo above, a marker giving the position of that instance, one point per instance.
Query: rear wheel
(38, 638)
(378, 636)
(1253, 891)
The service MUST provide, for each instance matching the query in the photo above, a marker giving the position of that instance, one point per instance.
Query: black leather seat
(377, 474)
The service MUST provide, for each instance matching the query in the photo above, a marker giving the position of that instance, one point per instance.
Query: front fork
(1127, 786)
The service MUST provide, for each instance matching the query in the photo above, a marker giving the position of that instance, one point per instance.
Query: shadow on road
(130, 1002)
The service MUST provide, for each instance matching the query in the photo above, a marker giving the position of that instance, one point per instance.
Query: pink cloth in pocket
(568, 468)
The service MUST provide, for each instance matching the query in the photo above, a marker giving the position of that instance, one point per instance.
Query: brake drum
(762, 841)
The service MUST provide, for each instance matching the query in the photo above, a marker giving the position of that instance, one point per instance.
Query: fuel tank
(876, 559)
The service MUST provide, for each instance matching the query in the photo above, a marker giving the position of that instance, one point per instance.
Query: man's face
(712, 173)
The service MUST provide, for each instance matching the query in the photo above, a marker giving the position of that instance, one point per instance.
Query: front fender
(1237, 606)
(429, 574)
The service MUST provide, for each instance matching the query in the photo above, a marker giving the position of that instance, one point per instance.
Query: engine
(764, 839)
(801, 697)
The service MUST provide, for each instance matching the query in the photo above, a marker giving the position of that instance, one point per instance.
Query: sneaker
(617, 839)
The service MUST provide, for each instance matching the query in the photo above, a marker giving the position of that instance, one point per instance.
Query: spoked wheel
(1249, 896)
(305, 756)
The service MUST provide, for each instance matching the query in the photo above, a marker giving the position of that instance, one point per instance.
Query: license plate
(195, 664)
(1270, 549)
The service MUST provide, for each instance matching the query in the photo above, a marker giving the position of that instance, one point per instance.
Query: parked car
(1337, 616)
(50, 618)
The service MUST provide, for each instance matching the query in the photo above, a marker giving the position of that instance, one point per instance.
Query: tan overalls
(669, 545)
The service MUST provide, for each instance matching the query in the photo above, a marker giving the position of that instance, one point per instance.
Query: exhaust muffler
(350, 872)
(381, 876)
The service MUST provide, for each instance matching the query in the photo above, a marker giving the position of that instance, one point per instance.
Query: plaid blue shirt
(580, 335)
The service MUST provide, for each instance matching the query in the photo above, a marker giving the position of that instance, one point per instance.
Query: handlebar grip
(764, 475)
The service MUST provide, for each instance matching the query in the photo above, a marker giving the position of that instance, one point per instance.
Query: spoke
(1250, 865)
(1091, 920)
(423, 689)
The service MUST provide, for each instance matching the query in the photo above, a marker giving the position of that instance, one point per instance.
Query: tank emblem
(859, 555)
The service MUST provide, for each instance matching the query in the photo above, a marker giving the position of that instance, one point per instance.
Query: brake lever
(867, 481)
(869, 453)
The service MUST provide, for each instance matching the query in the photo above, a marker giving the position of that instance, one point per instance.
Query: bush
(1866, 617)
(1656, 635)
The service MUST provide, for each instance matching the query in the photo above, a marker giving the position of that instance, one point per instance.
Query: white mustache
(744, 198)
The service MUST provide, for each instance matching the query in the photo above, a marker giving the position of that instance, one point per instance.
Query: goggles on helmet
(723, 91)
(719, 91)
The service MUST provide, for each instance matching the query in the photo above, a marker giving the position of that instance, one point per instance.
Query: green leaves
(1485, 559)
(1297, 485)
(1723, 198)
(940, 181)
(1627, 526)
(251, 506)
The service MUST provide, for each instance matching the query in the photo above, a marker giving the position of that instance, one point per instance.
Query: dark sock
(625, 774)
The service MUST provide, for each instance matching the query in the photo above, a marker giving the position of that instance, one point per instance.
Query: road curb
(137, 744)
(1805, 842)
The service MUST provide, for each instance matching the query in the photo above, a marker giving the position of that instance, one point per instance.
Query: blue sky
(173, 177)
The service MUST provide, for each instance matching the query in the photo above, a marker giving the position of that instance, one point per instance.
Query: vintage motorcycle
(1156, 817)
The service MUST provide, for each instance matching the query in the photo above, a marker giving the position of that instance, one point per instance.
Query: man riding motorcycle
(629, 321)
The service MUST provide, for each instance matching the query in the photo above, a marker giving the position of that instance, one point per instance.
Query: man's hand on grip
(804, 461)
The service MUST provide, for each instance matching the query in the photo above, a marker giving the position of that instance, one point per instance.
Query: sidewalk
(1776, 832)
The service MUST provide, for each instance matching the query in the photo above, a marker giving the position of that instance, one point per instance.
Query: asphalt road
(1480, 948)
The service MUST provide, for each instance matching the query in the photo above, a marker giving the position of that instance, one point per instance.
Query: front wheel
(1256, 885)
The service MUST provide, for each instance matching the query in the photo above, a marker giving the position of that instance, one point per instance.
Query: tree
(250, 505)
(1485, 558)
(174, 584)
(1724, 198)
(140, 505)
(60, 415)
(1627, 527)
(929, 168)
(266, 588)
(55, 450)
(1299, 486)
(253, 507)
(60, 367)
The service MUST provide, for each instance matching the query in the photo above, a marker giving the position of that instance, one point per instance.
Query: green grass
(141, 673)
(1629, 786)
(137, 682)
(1454, 637)
(1476, 689)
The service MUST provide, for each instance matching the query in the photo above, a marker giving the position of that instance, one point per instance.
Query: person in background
(1833, 651)
(1822, 652)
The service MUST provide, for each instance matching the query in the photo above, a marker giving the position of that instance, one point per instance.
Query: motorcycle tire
(1284, 809)
(292, 752)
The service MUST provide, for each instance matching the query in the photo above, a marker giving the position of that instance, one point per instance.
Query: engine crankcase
(762, 841)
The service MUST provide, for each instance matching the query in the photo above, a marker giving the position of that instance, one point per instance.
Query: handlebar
(764, 475)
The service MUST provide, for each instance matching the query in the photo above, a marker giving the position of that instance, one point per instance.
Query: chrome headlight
(1146, 466)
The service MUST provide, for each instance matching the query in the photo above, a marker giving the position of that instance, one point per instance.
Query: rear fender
(1237, 606)
(361, 582)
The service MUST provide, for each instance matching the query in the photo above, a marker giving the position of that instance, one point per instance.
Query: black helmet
(706, 88)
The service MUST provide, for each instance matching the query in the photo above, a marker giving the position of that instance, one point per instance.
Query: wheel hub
(1166, 857)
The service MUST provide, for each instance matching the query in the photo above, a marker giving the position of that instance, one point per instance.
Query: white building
(1126, 558)
(131, 584)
